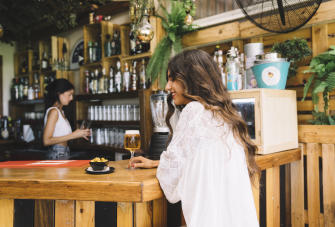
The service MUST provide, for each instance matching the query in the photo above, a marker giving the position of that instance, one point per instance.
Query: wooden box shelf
(113, 123)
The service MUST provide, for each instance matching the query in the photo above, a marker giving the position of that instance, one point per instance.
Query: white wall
(7, 51)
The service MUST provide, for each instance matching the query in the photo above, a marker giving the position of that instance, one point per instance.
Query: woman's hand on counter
(141, 162)
(82, 133)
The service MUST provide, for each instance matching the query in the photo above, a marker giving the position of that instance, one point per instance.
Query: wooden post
(124, 214)
(319, 39)
(7, 212)
(44, 213)
(255, 192)
(297, 191)
(328, 161)
(85, 213)
(143, 214)
(273, 197)
(160, 212)
(313, 186)
(64, 213)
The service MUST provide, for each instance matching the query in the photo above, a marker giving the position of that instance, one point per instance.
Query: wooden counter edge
(277, 159)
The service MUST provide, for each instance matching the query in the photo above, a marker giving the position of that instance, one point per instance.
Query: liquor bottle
(16, 89)
(87, 82)
(37, 89)
(101, 89)
(98, 50)
(216, 53)
(21, 85)
(30, 93)
(126, 78)
(45, 61)
(108, 46)
(117, 43)
(36, 65)
(90, 51)
(132, 37)
(114, 44)
(232, 68)
(4, 129)
(118, 77)
(91, 82)
(25, 88)
(111, 88)
(45, 83)
(95, 82)
(142, 75)
(133, 86)
(105, 81)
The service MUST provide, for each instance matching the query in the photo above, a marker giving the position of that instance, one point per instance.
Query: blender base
(158, 144)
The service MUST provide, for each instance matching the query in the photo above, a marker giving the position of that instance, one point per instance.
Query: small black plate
(110, 169)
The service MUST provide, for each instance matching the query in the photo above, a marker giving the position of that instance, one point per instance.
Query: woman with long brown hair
(210, 160)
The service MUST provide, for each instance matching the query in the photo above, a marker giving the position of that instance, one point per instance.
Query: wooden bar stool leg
(328, 161)
(143, 214)
(64, 213)
(297, 192)
(287, 195)
(124, 215)
(85, 213)
(7, 212)
(160, 212)
(273, 197)
(44, 213)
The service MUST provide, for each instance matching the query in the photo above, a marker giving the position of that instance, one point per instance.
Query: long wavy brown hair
(202, 82)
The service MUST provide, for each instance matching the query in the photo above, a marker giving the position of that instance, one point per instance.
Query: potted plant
(322, 81)
(294, 50)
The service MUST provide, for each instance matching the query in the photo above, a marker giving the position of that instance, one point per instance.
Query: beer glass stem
(131, 154)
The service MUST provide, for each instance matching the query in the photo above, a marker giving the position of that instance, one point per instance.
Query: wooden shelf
(113, 123)
(112, 57)
(123, 95)
(91, 65)
(137, 56)
(27, 102)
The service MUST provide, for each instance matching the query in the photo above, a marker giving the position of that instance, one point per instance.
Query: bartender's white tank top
(62, 127)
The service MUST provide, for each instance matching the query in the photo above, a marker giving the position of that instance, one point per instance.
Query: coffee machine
(159, 109)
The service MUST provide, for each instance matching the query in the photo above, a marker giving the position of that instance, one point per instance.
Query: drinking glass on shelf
(132, 141)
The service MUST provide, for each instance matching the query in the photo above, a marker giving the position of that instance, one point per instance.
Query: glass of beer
(132, 141)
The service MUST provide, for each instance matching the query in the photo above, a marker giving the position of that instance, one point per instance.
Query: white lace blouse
(205, 168)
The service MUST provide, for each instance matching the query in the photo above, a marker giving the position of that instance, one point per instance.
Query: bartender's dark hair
(57, 87)
(201, 78)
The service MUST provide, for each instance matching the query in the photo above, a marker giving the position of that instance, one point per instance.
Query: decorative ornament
(1, 31)
(145, 32)
(188, 19)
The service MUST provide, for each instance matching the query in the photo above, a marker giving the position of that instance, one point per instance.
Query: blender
(159, 109)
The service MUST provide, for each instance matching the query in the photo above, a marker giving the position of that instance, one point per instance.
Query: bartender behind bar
(57, 129)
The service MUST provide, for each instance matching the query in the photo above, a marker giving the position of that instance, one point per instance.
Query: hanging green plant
(322, 81)
(176, 24)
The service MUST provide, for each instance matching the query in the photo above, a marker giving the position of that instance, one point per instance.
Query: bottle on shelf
(117, 43)
(134, 80)
(36, 63)
(105, 81)
(4, 128)
(30, 93)
(21, 85)
(95, 87)
(232, 67)
(111, 87)
(87, 82)
(37, 89)
(118, 78)
(126, 78)
(101, 83)
(221, 67)
(98, 50)
(108, 46)
(45, 61)
(142, 75)
(216, 52)
(91, 82)
(25, 88)
(132, 39)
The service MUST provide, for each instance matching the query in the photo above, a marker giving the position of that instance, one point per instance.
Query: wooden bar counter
(137, 192)
(140, 200)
